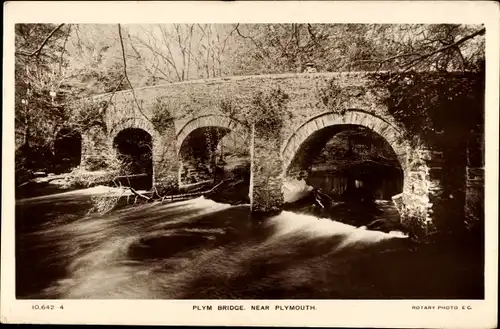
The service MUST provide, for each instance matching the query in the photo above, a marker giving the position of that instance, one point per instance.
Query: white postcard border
(369, 313)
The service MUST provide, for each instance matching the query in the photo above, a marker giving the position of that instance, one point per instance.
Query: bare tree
(181, 52)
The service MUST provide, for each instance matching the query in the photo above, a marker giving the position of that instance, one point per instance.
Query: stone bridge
(177, 117)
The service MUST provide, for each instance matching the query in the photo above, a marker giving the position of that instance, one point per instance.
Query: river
(202, 249)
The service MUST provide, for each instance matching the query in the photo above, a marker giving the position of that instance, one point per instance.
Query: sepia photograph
(249, 161)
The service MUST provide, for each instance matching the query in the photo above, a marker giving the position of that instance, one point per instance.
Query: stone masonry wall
(266, 174)
(192, 99)
(189, 100)
(422, 191)
(474, 189)
(308, 97)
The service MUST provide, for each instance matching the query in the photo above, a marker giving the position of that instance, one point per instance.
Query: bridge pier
(474, 184)
(165, 161)
(266, 176)
(96, 150)
(423, 199)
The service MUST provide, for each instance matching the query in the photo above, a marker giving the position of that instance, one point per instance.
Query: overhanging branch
(421, 57)
(126, 75)
(450, 46)
(37, 51)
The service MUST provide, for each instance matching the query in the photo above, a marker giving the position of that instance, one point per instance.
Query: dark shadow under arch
(212, 154)
(67, 150)
(134, 150)
(337, 157)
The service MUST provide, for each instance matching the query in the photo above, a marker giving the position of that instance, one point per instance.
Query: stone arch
(123, 124)
(384, 128)
(211, 121)
(201, 159)
(134, 150)
(132, 122)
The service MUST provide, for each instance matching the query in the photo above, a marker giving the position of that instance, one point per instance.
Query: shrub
(332, 97)
(162, 117)
(83, 178)
(269, 109)
(103, 204)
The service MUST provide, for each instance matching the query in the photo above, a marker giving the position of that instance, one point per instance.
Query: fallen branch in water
(26, 183)
(39, 180)
(139, 195)
(166, 197)
(236, 182)
(319, 202)
(119, 184)
(189, 195)
(323, 194)
(195, 186)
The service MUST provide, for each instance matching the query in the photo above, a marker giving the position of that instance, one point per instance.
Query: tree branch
(154, 51)
(126, 75)
(311, 33)
(246, 37)
(113, 93)
(37, 52)
(64, 49)
(427, 55)
(452, 45)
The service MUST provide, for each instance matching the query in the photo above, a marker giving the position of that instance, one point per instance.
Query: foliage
(269, 109)
(162, 117)
(80, 177)
(332, 97)
(229, 107)
(438, 112)
(94, 54)
(433, 106)
(86, 114)
(170, 187)
(38, 73)
(275, 48)
(102, 204)
(97, 163)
